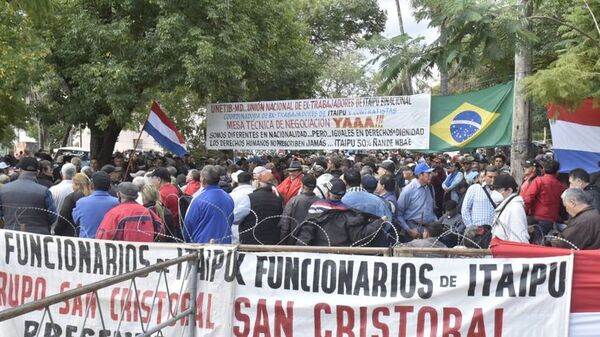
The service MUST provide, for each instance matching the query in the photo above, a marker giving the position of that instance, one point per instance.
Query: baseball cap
(258, 170)
(139, 173)
(128, 189)
(530, 163)
(162, 173)
(422, 168)
(336, 186)
(3, 165)
(101, 181)
(388, 165)
(369, 183)
(308, 180)
(29, 164)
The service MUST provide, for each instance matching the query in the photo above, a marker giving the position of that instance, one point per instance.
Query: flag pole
(138, 141)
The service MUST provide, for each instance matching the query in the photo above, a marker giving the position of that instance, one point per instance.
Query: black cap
(530, 163)
(308, 180)
(101, 181)
(295, 166)
(162, 173)
(108, 168)
(29, 164)
(336, 186)
(388, 165)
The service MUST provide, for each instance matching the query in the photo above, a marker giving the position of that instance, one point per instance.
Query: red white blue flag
(576, 136)
(162, 129)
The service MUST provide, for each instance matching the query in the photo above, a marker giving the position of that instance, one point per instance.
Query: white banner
(321, 124)
(282, 294)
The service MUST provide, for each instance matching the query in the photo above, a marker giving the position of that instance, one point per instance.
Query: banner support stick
(136, 144)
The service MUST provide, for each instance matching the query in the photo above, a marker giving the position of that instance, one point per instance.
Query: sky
(411, 27)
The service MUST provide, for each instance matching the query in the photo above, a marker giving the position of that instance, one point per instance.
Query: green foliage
(575, 74)
(345, 75)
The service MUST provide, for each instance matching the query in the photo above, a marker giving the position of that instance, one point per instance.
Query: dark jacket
(65, 225)
(593, 193)
(172, 231)
(27, 206)
(583, 230)
(342, 228)
(262, 228)
(45, 180)
(294, 213)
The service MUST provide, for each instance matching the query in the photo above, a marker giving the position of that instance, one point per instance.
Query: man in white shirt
(65, 187)
(241, 202)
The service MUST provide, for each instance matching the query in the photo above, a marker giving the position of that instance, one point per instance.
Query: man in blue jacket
(210, 214)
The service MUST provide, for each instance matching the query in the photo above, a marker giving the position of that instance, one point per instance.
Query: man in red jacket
(130, 221)
(542, 197)
(292, 185)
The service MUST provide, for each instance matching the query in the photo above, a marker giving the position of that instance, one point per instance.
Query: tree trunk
(102, 143)
(65, 140)
(521, 133)
(400, 22)
(444, 82)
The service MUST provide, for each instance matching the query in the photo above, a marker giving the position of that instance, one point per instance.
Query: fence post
(194, 293)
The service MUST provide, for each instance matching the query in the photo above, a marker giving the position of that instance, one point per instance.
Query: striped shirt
(477, 209)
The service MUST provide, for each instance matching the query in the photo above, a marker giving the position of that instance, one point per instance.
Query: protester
(151, 200)
(583, 230)
(500, 164)
(169, 195)
(510, 221)
(210, 214)
(65, 225)
(130, 221)
(290, 186)
(260, 226)
(140, 182)
(26, 205)
(416, 204)
(431, 239)
(114, 178)
(579, 178)
(359, 198)
(65, 187)
(530, 172)
(452, 181)
(241, 202)
(45, 177)
(334, 191)
(297, 209)
(452, 222)
(386, 188)
(478, 208)
(542, 198)
(193, 182)
(89, 211)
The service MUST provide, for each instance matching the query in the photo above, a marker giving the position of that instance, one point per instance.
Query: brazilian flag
(475, 119)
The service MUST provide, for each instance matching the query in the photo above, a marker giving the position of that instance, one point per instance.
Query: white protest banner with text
(321, 124)
(280, 294)
(361, 296)
(35, 266)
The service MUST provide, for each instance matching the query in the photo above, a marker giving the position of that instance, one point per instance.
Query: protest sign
(282, 294)
(321, 124)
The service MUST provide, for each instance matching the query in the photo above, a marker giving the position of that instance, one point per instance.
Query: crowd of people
(334, 199)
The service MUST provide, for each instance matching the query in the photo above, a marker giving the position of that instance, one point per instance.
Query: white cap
(3, 165)
(234, 176)
(258, 170)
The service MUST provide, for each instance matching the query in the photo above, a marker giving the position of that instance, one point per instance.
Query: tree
(345, 75)
(109, 60)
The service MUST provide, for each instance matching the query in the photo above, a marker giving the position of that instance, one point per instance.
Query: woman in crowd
(151, 199)
(82, 187)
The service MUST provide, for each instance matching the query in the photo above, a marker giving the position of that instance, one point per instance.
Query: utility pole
(521, 130)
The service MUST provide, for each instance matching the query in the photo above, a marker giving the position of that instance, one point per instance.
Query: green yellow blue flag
(472, 120)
